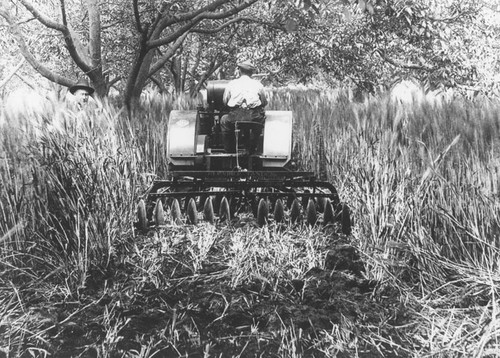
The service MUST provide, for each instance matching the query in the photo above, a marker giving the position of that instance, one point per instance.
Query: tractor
(206, 183)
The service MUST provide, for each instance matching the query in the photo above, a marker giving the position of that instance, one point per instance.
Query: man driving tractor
(246, 101)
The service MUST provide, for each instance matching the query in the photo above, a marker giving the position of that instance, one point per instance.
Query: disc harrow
(284, 197)
(209, 182)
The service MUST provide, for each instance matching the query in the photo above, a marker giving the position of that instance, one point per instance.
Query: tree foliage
(182, 43)
(373, 42)
(110, 42)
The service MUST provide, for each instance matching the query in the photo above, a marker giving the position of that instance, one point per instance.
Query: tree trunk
(138, 77)
(96, 74)
(175, 69)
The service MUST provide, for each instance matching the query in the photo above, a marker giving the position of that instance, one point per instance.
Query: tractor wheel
(295, 212)
(262, 212)
(175, 211)
(224, 212)
(279, 211)
(142, 223)
(159, 213)
(208, 211)
(346, 220)
(312, 216)
(328, 215)
(192, 214)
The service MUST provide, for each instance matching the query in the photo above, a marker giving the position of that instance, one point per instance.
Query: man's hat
(247, 65)
(82, 83)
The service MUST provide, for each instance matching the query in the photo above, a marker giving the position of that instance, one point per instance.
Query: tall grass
(423, 174)
(421, 179)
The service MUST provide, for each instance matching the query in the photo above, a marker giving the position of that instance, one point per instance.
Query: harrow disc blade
(311, 212)
(217, 202)
(208, 211)
(142, 223)
(262, 212)
(224, 212)
(159, 213)
(295, 211)
(328, 216)
(346, 219)
(322, 204)
(255, 206)
(233, 207)
(305, 200)
(192, 213)
(201, 204)
(279, 211)
(175, 211)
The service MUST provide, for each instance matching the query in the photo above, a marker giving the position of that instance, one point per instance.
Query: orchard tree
(184, 42)
(372, 42)
(152, 35)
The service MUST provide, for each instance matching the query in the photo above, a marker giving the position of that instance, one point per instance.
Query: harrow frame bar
(275, 184)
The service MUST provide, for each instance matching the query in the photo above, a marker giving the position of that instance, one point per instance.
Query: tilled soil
(330, 312)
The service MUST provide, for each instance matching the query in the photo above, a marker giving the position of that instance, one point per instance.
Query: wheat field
(421, 179)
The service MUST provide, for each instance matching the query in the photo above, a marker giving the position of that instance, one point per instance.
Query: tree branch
(137, 17)
(455, 17)
(45, 20)
(167, 55)
(195, 17)
(239, 19)
(63, 13)
(220, 27)
(112, 82)
(411, 66)
(95, 36)
(13, 72)
(171, 20)
(182, 31)
(40, 68)
(158, 84)
(214, 65)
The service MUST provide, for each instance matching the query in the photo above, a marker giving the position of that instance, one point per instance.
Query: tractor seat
(245, 125)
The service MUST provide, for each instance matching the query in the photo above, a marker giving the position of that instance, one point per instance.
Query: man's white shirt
(243, 92)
